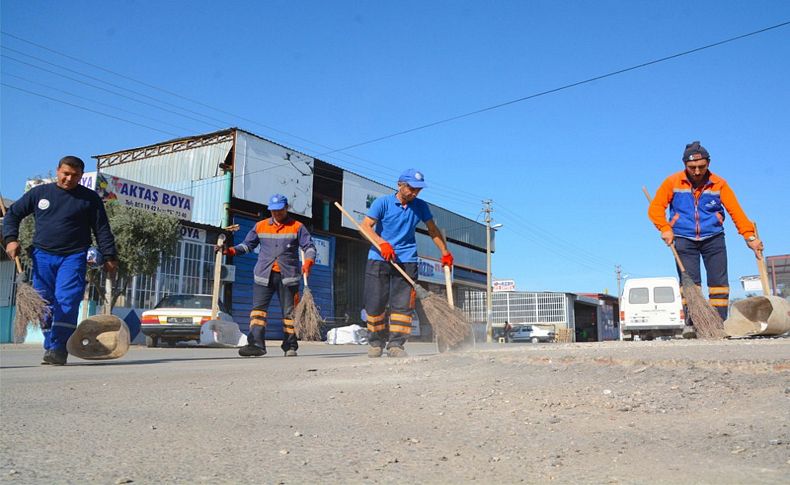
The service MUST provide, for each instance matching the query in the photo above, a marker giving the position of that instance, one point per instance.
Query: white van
(650, 308)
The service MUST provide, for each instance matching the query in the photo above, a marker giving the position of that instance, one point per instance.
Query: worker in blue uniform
(66, 215)
(391, 221)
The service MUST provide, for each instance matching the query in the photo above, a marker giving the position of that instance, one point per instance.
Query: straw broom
(307, 319)
(449, 323)
(707, 321)
(31, 308)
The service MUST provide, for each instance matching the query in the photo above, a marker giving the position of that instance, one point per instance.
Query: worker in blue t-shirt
(66, 214)
(391, 222)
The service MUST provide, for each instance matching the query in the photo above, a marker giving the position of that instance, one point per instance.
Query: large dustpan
(217, 332)
(759, 315)
(100, 337)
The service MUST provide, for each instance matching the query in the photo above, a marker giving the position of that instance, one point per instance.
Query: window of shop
(190, 271)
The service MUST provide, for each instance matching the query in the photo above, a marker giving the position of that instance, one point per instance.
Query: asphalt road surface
(614, 412)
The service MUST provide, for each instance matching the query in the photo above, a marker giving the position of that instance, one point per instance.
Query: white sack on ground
(351, 334)
(221, 333)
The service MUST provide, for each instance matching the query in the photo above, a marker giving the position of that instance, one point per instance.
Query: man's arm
(104, 237)
(657, 211)
(306, 243)
(308, 247)
(438, 239)
(369, 227)
(742, 223)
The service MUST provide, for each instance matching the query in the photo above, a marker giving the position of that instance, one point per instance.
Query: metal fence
(518, 307)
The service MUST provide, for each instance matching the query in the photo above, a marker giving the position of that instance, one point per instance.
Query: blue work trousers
(60, 280)
(386, 288)
(262, 297)
(713, 252)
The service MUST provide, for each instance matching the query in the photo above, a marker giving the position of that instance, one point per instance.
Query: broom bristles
(31, 309)
(449, 323)
(707, 321)
(307, 319)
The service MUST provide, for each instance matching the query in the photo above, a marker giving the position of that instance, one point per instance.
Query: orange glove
(447, 259)
(387, 252)
(231, 251)
(307, 265)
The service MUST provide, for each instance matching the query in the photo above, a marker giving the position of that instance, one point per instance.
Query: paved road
(616, 412)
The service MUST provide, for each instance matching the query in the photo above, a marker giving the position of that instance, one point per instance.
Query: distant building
(589, 317)
(231, 173)
(779, 274)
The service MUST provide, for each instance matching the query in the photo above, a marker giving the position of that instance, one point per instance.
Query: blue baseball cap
(277, 202)
(414, 178)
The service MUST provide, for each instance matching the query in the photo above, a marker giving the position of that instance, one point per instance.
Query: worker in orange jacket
(697, 199)
(277, 271)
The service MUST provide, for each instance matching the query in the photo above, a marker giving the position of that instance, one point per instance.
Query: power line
(143, 95)
(87, 109)
(94, 101)
(163, 90)
(561, 88)
(125, 120)
(110, 91)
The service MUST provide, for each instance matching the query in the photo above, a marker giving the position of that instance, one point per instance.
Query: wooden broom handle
(761, 266)
(671, 246)
(217, 275)
(374, 243)
(448, 283)
(304, 275)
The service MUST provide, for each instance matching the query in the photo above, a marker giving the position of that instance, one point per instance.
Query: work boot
(397, 352)
(54, 357)
(252, 351)
(689, 332)
(374, 352)
(290, 353)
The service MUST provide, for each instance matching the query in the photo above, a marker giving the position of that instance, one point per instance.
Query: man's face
(68, 177)
(280, 215)
(407, 193)
(697, 170)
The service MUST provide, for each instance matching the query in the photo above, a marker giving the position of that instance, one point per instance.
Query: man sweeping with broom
(391, 222)
(66, 214)
(697, 199)
(277, 271)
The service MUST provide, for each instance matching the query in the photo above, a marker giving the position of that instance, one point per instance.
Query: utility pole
(489, 311)
(618, 270)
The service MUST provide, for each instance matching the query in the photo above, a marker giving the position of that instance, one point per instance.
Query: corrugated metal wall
(321, 282)
(350, 262)
(7, 276)
(193, 172)
(464, 256)
(460, 228)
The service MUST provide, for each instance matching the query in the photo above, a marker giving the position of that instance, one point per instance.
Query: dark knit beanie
(692, 149)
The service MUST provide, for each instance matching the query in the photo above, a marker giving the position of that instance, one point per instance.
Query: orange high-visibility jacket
(279, 245)
(697, 213)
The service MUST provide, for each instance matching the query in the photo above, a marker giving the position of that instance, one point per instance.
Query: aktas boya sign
(131, 194)
(142, 196)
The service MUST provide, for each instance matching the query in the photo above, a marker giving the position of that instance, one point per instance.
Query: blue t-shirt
(396, 224)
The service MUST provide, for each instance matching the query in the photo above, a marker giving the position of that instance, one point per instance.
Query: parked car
(531, 333)
(178, 318)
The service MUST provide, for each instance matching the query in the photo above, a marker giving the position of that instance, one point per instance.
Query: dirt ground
(614, 412)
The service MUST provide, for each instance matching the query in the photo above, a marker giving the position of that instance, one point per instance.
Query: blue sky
(564, 170)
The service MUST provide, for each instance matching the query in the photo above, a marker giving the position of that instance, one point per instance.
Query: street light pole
(489, 310)
(489, 289)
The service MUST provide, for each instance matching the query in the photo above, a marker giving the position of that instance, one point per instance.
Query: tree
(142, 238)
